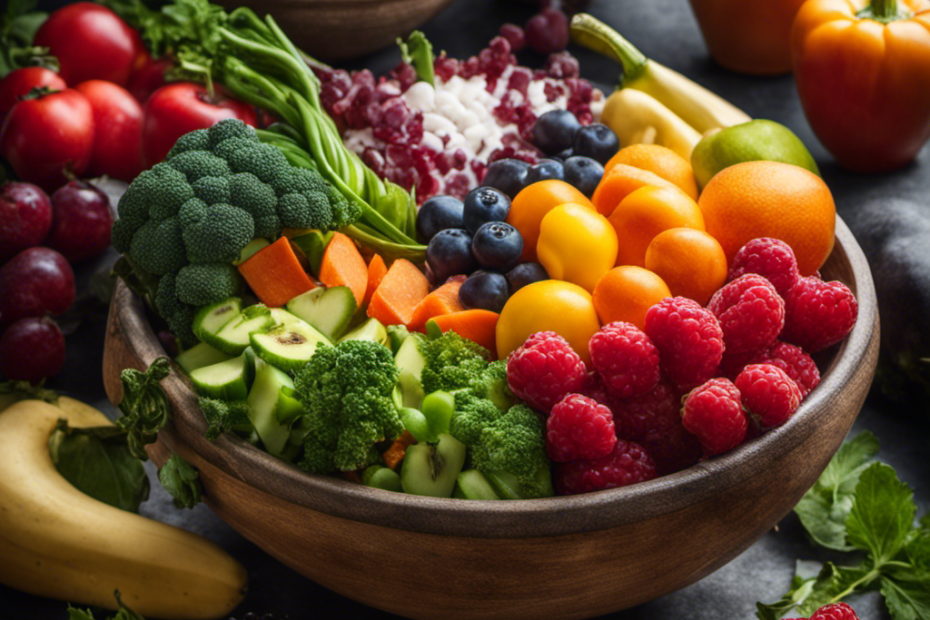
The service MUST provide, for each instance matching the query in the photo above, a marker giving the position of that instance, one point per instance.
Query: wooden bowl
(563, 557)
(335, 30)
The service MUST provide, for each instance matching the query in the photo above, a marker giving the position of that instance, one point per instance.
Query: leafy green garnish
(18, 26)
(862, 506)
(97, 461)
(145, 405)
(418, 51)
(181, 480)
(124, 613)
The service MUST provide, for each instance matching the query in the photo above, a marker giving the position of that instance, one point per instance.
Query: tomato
(182, 107)
(44, 136)
(91, 43)
(117, 130)
(18, 83)
(148, 78)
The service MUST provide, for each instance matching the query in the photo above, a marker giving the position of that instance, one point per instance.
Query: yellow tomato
(549, 305)
(532, 204)
(576, 244)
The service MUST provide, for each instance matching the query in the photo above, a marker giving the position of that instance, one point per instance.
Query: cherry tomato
(117, 130)
(91, 42)
(44, 136)
(182, 107)
(148, 78)
(18, 83)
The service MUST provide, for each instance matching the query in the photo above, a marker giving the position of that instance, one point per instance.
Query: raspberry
(771, 258)
(751, 313)
(628, 464)
(713, 412)
(689, 340)
(544, 369)
(594, 388)
(625, 358)
(579, 428)
(818, 314)
(654, 422)
(835, 611)
(768, 394)
(795, 362)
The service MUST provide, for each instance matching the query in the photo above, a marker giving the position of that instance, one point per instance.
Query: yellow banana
(59, 543)
(638, 118)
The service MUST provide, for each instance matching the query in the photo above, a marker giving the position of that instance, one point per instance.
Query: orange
(690, 261)
(660, 160)
(619, 182)
(625, 294)
(645, 213)
(771, 199)
(576, 244)
(533, 203)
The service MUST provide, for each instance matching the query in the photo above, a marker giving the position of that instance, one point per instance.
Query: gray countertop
(666, 31)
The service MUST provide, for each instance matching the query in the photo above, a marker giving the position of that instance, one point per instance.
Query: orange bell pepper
(748, 37)
(864, 79)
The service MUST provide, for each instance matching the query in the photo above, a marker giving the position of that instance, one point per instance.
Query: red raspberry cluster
(834, 611)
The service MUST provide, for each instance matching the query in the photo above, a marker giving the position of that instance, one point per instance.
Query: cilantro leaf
(181, 480)
(882, 514)
(907, 595)
(824, 508)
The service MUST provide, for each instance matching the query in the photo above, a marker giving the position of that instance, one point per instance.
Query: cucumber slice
(283, 317)
(287, 347)
(198, 356)
(329, 310)
(211, 319)
(410, 362)
(471, 484)
(263, 399)
(233, 337)
(251, 249)
(313, 244)
(229, 380)
(372, 329)
(432, 469)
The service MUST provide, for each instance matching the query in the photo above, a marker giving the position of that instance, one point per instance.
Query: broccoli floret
(258, 199)
(227, 148)
(215, 234)
(223, 416)
(229, 128)
(263, 160)
(206, 283)
(472, 415)
(310, 210)
(345, 211)
(199, 164)
(213, 190)
(158, 247)
(133, 207)
(197, 140)
(515, 444)
(346, 390)
(299, 180)
(451, 363)
(121, 235)
(492, 385)
(166, 190)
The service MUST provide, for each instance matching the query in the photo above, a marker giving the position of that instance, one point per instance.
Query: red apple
(82, 221)
(35, 282)
(32, 349)
(25, 218)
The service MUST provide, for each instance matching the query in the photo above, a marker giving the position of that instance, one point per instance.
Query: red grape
(82, 222)
(25, 218)
(32, 349)
(35, 282)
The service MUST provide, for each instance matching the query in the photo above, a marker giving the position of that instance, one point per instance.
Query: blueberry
(596, 141)
(562, 155)
(449, 254)
(485, 204)
(523, 274)
(439, 213)
(497, 246)
(555, 131)
(583, 173)
(486, 290)
(507, 175)
(545, 169)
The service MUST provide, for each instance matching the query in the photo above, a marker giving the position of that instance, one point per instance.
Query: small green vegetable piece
(223, 416)
(182, 481)
(452, 363)
(124, 613)
(145, 405)
(346, 390)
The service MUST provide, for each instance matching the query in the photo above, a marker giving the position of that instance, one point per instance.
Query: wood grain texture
(340, 29)
(567, 557)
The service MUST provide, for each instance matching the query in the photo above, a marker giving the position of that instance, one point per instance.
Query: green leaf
(800, 590)
(918, 547)
(97, 462)
(124, 613)
(882, 514)
(832, 583)
(418, 51)
(907, 595)
(145, 405)
(14, 391)
(181, 480)
(824, 508)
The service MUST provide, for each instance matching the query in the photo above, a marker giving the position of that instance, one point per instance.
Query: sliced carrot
(444, 300)
(477, 325)
(401, 289)
(275, 275)
(343, 265)
(376, 271)
(395, 454)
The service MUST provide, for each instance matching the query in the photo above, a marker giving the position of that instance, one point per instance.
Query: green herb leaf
(907, 595)
(918, 547)
(800, 590)
(882, 514)
(145, 405)
(181, 480)
(832, 584)
(98, 463)
(824, 508)
(418, 51)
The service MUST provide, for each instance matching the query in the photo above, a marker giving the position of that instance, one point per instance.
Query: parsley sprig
(861, 507)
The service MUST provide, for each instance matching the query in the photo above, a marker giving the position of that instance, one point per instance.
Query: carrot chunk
(376, 271)
(343, 265)
(444, 300)
(402, 288)
(477, 325)
(275, 275)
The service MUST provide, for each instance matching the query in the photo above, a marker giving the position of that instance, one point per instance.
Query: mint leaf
(145, 405)
(181, 480)
(824, 508)
(907, 595)
(882, 515)
(800, 590)
(918, 548)
(831, 584)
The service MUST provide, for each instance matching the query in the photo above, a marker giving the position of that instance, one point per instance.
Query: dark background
(665, 30)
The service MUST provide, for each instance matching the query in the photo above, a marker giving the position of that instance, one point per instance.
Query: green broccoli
(200, 284)
(514, 446)
(346, 390)
(178, 315)
(451, 363)
(218, 189)
(223, 416)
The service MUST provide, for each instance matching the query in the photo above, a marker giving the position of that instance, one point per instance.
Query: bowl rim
(529, 518)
